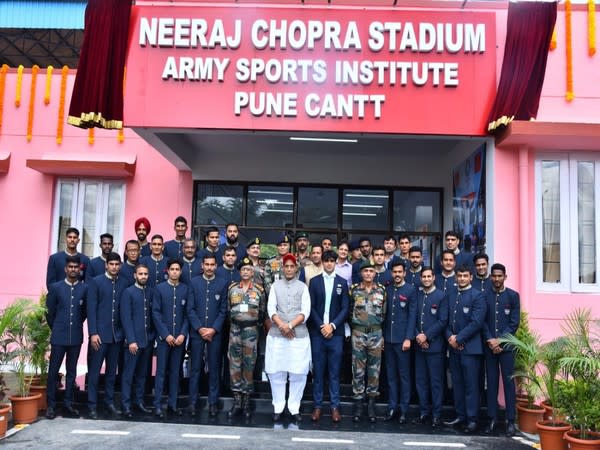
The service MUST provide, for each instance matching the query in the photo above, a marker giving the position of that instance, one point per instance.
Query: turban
(143, 220)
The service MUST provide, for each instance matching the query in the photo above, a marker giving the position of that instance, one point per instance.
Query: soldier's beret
(301, 234)
(255, 241)
(367, 264)
(244, 262)
(283, 239)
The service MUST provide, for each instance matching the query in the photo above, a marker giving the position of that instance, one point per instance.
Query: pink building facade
(542, 183)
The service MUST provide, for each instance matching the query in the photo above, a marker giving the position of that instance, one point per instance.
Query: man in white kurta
(288, 353)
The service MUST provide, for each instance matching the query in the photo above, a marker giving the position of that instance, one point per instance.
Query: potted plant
(527, 358)
(553, 427)
(4, 407)
(38, 337)
(524, 335)
(24, 405)
(577, 396)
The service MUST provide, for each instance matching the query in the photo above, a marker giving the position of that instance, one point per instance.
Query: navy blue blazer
(413, 278)
(432, 319)
(127, 271)
(173, 249)
(240, 251)
(136, 316)
(104, 300)
(207, 307)
(169, 309)
(462, 259)
(465, 319)
(401, 314)
(338, 308)
(444, 284)
(97, 267)
(482, 284)
(190, 269)
(66, 304)
(56, 267)
(230, 276)
(157, 270)
(503, 313)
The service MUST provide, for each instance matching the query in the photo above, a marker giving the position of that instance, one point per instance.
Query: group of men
(172, 295)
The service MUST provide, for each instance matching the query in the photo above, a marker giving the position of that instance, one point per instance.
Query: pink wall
(158, 190)
(514, 237)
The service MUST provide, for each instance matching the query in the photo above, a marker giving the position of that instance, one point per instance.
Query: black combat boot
(358, 410)
(246, 406)
(371, 410)
(236, 409)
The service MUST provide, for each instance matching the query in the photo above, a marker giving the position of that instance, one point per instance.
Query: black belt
(363, 329)
(244, 323)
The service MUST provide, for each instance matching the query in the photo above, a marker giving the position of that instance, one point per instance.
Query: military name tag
(244, 308)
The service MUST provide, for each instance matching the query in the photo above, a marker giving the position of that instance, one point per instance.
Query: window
(338, 212)
(93, 207)
(567, 225)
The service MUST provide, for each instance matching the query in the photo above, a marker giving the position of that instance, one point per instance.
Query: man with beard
(207, 311)
(192, 266)
(136, 318)
(366, 249)
(66, 304)
(174, 247)
(389, 247)
(502, 318)
(398, 332)
(142, 230)
(253, 249)
(413, 275)
(301, 244)
(98, 264)
(232, 234)
(106, 334)
(57, 261)
(463, 258)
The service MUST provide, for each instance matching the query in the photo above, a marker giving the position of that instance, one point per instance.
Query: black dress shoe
(436, 422)
(402, 419)
(391, 414)
(141, 408)
(454, 423)
(491, 427)
(113, 410)
(158, 413)
(93, 414)
(70, 411)
(297, 417)
(175, 411)
(470, 428)
(421, 420)
(192, 410)
(510, 429)
(276, 417)
(213, 410)
(50, 413)
(127, 413)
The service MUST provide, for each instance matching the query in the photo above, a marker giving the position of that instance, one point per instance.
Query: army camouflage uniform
(247, 310)
(258, 277)
(367, 312)
(273, 272)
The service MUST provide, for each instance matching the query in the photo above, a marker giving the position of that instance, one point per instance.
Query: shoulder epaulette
(260, 287)
(233, 284)
(354, 286)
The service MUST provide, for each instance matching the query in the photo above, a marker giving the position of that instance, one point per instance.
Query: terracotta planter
(551, 434)
(592, 443)
(25, 409)
(33, 379)
(522, 400)
(529, 417)
(4, 411)
(547, 409)
(43, 401)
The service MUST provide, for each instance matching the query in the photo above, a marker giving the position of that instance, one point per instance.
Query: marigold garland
(19, 85)
(554, 39)
(568, 41)
(49, 70)
(34, 71)
(591, 28)
(91, 136)
(61, 104)
(3, 72)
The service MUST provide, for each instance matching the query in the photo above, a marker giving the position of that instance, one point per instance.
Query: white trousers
(278, 381)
